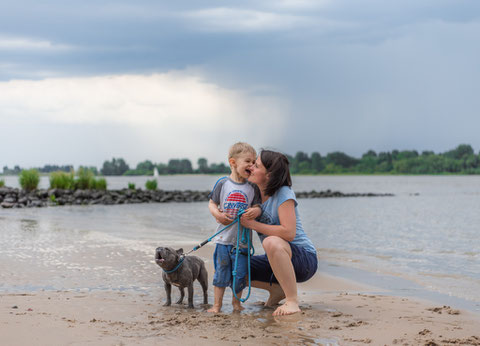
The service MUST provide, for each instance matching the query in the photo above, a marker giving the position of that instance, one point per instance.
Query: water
(427, 233)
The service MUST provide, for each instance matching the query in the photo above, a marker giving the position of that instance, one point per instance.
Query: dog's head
(166, 257)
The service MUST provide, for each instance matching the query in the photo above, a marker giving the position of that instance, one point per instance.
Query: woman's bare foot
(276, 295)
(288, 308)
(215, 309)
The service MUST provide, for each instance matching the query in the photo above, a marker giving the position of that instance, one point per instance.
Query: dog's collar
(174, 269)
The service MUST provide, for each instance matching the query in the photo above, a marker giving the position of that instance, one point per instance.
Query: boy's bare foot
(215, 309)
(238, 307)
(288, 308)
(276, 295)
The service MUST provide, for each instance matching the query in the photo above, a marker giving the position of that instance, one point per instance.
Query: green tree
(114, 167)
(406, 154)
(471, 161)
(384, 162)
(186, 166)
(145, 167)
(370, 153)
(177, 166)
(367, 164)
(317, 162)
(304, 167)
(162, 168)
(427, 153)
(220, 168)
(341, 159)
(460, 151)
(202, 165)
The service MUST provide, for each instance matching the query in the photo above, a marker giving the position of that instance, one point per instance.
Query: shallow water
(428, 233)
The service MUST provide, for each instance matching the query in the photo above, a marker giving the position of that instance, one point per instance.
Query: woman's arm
(288, 223)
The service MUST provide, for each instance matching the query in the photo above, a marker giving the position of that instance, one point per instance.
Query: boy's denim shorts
(224, 262)
(304, 263)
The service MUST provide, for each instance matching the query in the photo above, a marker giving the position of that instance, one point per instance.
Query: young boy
(229, 196)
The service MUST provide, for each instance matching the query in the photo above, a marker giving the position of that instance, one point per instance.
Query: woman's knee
(272, 244)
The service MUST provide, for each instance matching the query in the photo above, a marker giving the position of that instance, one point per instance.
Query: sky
(82, 82)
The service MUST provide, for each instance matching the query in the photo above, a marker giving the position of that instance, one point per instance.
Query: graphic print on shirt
(266, 217)
(235, 201)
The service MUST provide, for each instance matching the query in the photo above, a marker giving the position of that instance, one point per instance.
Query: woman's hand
(252, 213)
(248, 223)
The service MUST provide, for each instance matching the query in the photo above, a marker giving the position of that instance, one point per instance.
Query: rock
(42, 194)
(97, 194)
(10, 199)
(36, 204)
(15, 198)
(80, 194)
(54, 192)
(4, 190)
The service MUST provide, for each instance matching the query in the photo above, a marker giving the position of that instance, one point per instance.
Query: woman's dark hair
(277, 166)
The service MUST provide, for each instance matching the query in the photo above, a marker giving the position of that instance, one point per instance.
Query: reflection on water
(431, 238)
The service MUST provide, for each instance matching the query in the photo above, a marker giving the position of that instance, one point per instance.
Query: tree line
(461, 160)
(118, 166)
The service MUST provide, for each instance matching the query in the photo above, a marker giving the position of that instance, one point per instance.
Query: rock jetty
(18, 198)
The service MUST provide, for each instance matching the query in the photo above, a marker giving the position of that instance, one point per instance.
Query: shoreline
(395, 285)
(336, 310)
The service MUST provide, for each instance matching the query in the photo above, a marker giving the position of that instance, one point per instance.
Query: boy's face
(242, 163)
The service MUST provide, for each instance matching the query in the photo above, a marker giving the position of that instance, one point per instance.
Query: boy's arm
(222, 218)
(253, 212)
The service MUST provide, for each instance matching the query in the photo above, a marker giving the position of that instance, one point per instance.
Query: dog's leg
(203, 279)
(168, 290)
(190, 295)
(182, 294)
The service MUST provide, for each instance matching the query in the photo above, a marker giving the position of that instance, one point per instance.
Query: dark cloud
(358, 75)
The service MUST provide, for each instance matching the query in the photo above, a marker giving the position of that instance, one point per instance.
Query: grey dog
(192, 268)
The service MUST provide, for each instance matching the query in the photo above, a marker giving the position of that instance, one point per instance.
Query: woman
(290, 257)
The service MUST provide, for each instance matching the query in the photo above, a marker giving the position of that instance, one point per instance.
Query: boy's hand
(252, 213)
(223, 218)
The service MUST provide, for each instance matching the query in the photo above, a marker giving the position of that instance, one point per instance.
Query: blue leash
(251, 250)
(245, 239)
(174, 269)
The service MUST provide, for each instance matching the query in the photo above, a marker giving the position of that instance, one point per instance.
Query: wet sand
(335, 311)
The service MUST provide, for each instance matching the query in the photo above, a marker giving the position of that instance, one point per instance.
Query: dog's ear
(180, 251)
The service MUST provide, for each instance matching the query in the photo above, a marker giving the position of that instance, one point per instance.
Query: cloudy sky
(85, 81)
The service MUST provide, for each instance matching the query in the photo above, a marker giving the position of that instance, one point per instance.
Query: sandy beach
(335, 311)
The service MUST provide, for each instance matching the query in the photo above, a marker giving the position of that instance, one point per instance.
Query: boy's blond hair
(240, 148)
